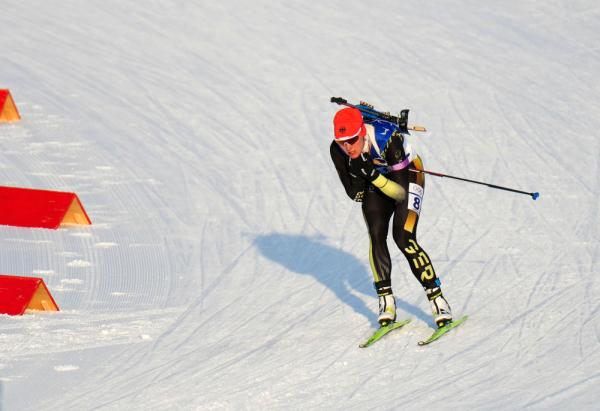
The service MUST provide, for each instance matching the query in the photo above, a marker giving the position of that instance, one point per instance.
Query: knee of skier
(401, 238)
(378, 231)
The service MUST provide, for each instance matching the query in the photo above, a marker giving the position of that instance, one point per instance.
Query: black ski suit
(378, 208)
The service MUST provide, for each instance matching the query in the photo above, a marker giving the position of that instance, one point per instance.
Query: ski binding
(383, 330)
(443, 330)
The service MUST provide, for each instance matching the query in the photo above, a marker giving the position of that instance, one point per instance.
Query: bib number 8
(417, 203)
(415, 197)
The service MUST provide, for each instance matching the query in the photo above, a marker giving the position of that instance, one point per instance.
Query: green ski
(383, 330)
(443, 330)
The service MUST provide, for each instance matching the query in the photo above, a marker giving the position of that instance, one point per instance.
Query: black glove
(362, 166)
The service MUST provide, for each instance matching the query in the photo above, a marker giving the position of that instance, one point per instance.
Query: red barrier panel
(8, 109)
(21, 294)
(25, 207)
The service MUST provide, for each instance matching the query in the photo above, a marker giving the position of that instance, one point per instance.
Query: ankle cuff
(433, 293)
(383, 287)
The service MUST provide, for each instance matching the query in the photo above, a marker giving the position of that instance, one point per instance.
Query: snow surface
(226, 268)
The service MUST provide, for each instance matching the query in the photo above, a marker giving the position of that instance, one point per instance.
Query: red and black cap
(348, 123)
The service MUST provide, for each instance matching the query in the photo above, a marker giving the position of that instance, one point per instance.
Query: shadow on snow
(338, 270)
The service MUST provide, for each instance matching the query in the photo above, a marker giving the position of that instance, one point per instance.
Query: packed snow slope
(227, 269)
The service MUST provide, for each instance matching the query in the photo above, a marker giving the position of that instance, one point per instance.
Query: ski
(443, 330)
(383, 330)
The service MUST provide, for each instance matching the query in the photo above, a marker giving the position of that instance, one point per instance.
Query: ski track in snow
(227, 269)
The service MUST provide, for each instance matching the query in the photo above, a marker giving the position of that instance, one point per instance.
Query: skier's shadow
(338, 270)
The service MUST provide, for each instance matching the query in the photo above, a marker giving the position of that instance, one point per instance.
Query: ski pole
(433, 173)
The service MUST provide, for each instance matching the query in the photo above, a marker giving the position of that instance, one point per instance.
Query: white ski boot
(440, 308)
(387, 309)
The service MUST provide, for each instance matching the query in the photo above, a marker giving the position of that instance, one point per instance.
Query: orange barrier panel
(21, 294)
(8, 109)
(26, 207)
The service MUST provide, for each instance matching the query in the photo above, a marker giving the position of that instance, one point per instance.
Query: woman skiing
(372, 159)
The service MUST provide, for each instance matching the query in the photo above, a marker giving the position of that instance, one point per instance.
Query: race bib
(415, 197)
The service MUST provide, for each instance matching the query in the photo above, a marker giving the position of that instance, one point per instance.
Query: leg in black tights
(377, 211)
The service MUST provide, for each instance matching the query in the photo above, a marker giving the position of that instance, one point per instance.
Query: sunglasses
(350, 141)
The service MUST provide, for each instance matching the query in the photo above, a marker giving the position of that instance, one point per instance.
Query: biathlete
(372, 159)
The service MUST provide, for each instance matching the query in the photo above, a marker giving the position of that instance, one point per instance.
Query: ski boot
(387, 309)
(440, 308)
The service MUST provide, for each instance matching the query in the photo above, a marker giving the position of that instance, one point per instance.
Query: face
(353, 146)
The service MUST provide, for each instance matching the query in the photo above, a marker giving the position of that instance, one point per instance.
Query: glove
(362, 166)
